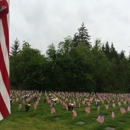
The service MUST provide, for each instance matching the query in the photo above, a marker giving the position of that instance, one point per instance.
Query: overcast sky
(42, 22)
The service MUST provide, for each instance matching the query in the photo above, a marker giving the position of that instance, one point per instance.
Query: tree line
(75, 65)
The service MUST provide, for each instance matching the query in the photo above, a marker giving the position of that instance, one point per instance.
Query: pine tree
(81, 36)
(107, 50)
(15, 49)
(103, 48)
(113, 52)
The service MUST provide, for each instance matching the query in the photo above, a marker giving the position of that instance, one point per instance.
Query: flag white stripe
(3, 47)
(1, 117)
(4, 93)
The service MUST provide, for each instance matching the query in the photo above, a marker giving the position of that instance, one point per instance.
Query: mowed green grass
(62, 119)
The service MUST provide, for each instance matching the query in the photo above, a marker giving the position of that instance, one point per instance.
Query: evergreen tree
(81, 36)
(113, 52)
(122, 55)
(107, 50)
(103, 48)
(15, 49)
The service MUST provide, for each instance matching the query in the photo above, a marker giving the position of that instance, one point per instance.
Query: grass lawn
(62, 119)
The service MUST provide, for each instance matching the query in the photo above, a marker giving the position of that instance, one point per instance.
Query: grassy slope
(41, 119)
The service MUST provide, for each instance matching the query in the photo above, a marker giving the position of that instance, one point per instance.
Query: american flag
(4, 60)
(128, 108)
(74, 113)
(88, 103)
(122, 110)
(35, 106)
(23, 102)
(113, 104)
(20, 106)
(119, 103)
(100, 118)
(53, 110)
(112, 114)
(106, 106)
(98, 108)
(87, 109)
(66, 106)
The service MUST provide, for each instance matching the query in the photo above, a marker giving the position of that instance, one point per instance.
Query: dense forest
(75, 65)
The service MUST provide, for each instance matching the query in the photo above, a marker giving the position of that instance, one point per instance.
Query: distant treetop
(81, 36)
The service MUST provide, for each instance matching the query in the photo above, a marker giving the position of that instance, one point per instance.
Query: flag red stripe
(4, 71)
(5, 11)
(3, 17)
(3, 109)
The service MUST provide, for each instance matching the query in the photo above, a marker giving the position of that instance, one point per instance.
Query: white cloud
(42, 22)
